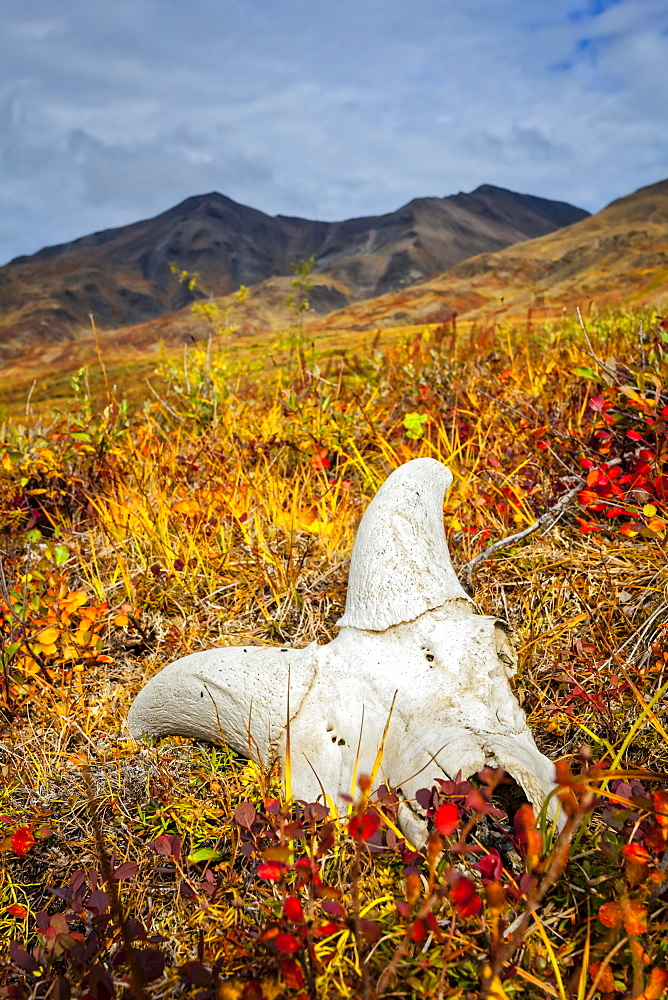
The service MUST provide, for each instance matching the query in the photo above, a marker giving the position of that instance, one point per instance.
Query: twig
(602, 364)
(32, 389)
(161, 400)
(549, 516)
(112, 889)
(560, 858)
(143, 633)
(552, 431)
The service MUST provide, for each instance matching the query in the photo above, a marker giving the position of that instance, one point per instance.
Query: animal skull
(413, 671)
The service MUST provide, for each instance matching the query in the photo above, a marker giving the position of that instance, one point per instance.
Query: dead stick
(112, 888)
(546, 518)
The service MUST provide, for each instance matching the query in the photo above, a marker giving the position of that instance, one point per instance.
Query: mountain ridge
(618, 255)
(122, 277)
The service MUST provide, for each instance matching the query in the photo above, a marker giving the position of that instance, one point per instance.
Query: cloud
(113, 113)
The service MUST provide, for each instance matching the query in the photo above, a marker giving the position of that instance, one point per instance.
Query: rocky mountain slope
(618, 256)
(122, 275)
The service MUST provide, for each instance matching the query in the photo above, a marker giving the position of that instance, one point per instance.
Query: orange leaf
(635, 918)
(636, 853)
(660, 800)
(48, 636)
(606, 982)
(658, 981)
(610, 914)
(526, 819)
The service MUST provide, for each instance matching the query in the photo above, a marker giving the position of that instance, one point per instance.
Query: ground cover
(221, 509)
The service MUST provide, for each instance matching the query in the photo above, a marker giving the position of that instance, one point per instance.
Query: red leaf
(151, 963)
(22, 840)
(22, 958)
(292, 909)
(363, 826)
(634, 436)
(17, 911)
(197, 973)
(525, 823)
(463, 895)
(292, 974)
(252, 991)
(245, 815)
(446, 819)
(371, 930)
(587, 526)
(161, 845)
(491, 866)
(97, 902)
(270, 870)
(127, 870)
(615, 512)
(606, 983)
(418, 932)
(287, 942)
(587, 497)
(326, 929)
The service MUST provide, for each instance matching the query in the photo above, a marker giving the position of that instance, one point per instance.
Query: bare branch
(547, 518)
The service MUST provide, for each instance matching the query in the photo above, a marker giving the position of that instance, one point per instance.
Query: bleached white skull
(413, 669)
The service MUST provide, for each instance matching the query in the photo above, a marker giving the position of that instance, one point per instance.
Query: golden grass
(223, 510)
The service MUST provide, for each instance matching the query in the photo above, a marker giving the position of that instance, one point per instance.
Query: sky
(114, 112)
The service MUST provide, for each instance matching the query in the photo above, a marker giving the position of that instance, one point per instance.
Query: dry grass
(223, 510)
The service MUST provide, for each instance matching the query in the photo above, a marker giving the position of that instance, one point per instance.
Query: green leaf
(585, 373)
(61, 554)
(204, 854)
(414, 424)
(9, 651)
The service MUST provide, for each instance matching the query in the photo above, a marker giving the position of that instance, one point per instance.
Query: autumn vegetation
(221, 509)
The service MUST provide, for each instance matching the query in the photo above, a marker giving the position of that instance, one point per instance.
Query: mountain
(618, 256)
(122, 275)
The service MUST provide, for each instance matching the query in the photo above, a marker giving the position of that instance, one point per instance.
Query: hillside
(618, 256)
(122, 275)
